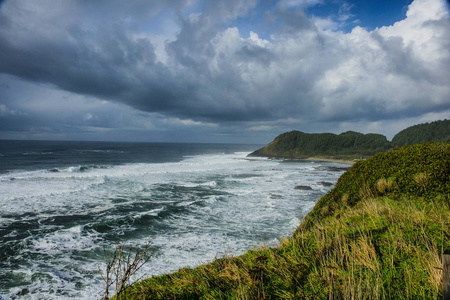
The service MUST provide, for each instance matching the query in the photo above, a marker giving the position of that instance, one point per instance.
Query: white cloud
(176, 122)
(194, 69)
(254, 37)
(261, 128)
(345, 12)
(302, 3)
(395, 69)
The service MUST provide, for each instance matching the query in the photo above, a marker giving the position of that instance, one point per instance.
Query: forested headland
(350, 144)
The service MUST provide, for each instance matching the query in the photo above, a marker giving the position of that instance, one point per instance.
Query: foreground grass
(370, 238)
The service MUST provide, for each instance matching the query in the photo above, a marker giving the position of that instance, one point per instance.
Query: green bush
(421, 170)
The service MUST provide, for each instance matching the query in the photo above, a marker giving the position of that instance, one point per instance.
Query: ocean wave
(85, 168)
(153, 212)
(76, 238)
(192, 210)
(50, 173)
(110, 151)
(37, 153)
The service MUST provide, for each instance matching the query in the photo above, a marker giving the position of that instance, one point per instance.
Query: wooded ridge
(351, 144)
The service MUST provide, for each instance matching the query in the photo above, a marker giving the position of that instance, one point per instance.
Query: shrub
(421, 170)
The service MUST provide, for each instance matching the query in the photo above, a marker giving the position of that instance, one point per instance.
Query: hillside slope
(379, 234)
(438, 131)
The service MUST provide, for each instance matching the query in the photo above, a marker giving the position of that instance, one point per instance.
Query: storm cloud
(189, 61)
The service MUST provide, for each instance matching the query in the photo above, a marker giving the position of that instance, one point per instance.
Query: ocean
(64, 204)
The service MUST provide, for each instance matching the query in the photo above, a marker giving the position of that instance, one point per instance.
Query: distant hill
(350, 144)
(297, 144)
(438, 131)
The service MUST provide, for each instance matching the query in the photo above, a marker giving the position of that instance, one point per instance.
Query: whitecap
(37, 153)
(66, 240)
(153, 212)
(230, 206)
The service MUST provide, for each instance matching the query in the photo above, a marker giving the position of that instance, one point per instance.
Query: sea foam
(59, 221)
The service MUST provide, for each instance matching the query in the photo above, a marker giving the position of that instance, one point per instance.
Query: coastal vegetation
(350, 144)
(379, 233)
(297, 144)
(438, 131)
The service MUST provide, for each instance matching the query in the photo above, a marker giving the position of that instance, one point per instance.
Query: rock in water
(303, 188)
(325, 183)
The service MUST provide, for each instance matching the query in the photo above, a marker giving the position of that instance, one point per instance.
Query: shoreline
(346, 161)
(333, 160)
(312, 253)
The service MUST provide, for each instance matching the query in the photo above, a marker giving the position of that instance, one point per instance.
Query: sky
(222, 71)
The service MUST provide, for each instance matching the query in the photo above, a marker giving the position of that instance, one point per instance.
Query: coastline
(309, 265)
(346, 161)
(333, 160)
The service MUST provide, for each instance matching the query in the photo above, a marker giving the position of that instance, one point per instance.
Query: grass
(377, 238)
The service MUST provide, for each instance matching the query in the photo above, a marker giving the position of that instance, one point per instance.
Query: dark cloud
(186, 60)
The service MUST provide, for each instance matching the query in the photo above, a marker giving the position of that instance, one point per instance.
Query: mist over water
(62, 204)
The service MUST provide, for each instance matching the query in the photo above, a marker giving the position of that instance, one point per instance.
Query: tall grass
(383, 240)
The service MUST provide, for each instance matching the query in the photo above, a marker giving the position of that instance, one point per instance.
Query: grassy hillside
(297, 144)
(379, 234)
(438, 131)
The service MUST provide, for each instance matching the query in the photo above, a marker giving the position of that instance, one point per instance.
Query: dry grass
(422, 179)
(384, 185)
(369, 238)
(379, 249)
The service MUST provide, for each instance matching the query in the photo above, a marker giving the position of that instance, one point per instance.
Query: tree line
(297, 144)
